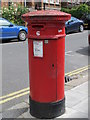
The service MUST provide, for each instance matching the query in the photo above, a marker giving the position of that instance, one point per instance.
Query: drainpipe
(25, 3)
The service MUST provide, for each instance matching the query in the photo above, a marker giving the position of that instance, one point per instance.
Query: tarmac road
(15, 75)
(77, 51)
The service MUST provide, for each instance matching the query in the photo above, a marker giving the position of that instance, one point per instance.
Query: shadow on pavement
(9, 41)
(72, 33)
(14, 113)
(84, 51)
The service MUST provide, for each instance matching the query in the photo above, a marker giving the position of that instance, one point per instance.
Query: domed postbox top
(46, 15)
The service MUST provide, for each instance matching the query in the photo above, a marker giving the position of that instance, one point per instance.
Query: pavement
(76, 94)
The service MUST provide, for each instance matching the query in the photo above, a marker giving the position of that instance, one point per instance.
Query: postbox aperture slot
(38, 27)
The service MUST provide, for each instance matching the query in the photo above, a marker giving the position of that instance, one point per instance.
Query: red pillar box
(46, 44)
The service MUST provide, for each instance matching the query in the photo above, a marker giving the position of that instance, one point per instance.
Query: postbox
(46, 45)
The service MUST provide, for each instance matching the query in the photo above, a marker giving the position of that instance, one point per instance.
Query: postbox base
(47, 110)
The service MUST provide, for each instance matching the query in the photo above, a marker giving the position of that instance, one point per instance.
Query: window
(57, 1)
(52, 1)
(9, 3)
(4, 23)
(46, 1)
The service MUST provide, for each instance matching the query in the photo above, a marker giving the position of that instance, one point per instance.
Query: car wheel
(22, 35)
(81, 28)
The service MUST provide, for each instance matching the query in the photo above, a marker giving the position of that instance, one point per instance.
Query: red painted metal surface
(42, 74)
(48, 15)
(46, 30)
(47, 73)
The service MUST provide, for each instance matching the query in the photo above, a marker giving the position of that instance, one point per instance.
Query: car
(86, 19)
(11, 31)
(74, 25)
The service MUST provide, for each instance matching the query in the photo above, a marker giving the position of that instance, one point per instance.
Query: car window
(72, 18)
(4, 23)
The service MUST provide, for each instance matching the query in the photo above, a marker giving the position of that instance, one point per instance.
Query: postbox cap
(46, 15)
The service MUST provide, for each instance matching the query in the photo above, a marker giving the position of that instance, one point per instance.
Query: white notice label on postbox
(38, 48)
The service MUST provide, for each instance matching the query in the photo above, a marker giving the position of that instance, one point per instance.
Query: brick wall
(32, 4)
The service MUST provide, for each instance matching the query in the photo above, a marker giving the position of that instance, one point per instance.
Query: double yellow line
(17, 94)
(77, 71)
(25, 91)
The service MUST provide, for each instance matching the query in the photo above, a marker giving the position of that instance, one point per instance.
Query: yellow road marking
(14, 93)
(77, 70)
(26, 91)
(11, 98)
(85, 24)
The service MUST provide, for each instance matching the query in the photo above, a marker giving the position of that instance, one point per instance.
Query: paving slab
(83, 88)
(27, 114)
(16, 111)
(0, 116)
(74, 114)
(74, 98)
(71, 113)
(20, 105)
(82, 106)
